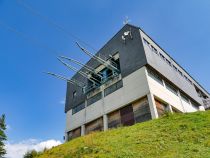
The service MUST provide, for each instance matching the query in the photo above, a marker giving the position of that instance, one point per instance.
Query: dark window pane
(94, 99)
(78, 108)
(113, 88)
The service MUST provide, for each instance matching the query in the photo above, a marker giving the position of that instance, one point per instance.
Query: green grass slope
(172, 136)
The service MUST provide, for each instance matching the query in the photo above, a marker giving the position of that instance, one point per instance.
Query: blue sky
(33, 101)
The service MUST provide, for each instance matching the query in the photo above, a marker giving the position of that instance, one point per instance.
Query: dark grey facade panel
(80, 96)
(132, 57)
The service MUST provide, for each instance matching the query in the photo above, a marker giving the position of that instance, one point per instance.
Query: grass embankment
(173, 136)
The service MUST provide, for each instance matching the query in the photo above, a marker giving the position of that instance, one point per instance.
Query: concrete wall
(167, 71)
(134, 87)
(163, 93)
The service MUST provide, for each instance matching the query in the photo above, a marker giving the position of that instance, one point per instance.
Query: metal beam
(103, 62)
(77, 83)
(79, 71)
(83, 65)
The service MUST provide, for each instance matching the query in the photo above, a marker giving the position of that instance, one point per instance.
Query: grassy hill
(172, 136)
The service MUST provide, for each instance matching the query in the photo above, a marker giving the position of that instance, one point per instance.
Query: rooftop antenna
(127, 20)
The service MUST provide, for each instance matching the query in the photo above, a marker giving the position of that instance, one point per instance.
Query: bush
(31, 154)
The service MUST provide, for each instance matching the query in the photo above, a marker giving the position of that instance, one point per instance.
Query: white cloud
(8, 127)
(62, 101)
(17, 150)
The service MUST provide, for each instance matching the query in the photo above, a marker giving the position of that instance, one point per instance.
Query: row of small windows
(159, 79)
(170, 87)
(166, 60)
(98, 96)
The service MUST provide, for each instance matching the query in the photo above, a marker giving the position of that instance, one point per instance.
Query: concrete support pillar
(180, 98)
(66, 137)
(152, 106)
(170, 108)
(105, 121)
(201, 108)
(82, 130)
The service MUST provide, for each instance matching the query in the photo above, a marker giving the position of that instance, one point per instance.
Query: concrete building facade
(148, 84)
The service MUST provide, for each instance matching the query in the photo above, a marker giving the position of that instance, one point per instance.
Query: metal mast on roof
(103, 62)
(79, 71)
(99, 74)
(77, 83)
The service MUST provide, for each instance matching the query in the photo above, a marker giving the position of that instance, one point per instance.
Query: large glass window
(94, 99)
(155, 76)
(171, 88)
(113, 88)
(184, 97)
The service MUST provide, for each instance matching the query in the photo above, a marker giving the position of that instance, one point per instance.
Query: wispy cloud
(17, 150)
(62, 101)
(8, 127)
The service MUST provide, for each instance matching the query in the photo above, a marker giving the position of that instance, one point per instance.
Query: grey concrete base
(105, 121)
(152, 106)
(82, 130)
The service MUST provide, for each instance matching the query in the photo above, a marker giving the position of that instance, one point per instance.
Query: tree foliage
(3, 136)
(31, 154)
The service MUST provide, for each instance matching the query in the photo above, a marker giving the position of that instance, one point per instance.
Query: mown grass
(172, 136)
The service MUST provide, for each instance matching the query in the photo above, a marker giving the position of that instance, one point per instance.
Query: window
(74, 94)
(155, 76)
(180, 72)
(146, 42)
(194, 104)
(171, 88)
(78, 108)
(162, 56)
(189, 81)
(154, 49)
(113, 88)
(94, 99)
(184, 97)
(175, 68)
(168, 62)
